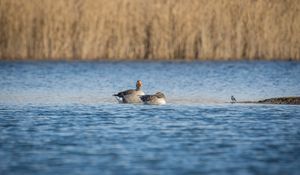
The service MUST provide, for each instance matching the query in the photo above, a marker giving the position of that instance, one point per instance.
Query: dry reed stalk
(152, 29)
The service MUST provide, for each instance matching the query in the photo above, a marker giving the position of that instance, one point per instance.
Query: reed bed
(150, 29)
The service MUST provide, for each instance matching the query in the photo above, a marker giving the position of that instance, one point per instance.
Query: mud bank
(281, 100)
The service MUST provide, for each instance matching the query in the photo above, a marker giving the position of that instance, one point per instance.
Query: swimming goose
(156, 99)
(131, 95)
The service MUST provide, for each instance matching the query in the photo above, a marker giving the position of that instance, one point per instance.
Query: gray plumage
(131, 95)
(157, 98)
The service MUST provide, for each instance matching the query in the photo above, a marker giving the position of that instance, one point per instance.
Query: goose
(131, 95)
(156, 99)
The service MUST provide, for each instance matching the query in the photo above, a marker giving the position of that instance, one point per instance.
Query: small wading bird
(156, 99)
(233, 100)
(131, 95)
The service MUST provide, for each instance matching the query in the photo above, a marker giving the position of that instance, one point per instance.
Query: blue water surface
(61, 118)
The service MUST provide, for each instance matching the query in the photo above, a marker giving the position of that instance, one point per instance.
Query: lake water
(61, 118)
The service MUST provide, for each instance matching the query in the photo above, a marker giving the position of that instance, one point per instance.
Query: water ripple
(55, 121)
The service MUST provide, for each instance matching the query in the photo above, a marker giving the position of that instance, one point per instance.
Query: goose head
(139, 84)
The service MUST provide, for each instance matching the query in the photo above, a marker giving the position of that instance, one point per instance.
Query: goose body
(155, 99)
(131, 95)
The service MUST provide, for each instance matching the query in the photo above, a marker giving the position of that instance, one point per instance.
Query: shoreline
(277, 101)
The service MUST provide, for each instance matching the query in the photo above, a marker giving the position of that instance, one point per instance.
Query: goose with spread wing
(131, 95)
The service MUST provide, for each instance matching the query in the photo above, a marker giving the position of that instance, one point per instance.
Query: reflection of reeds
(149, 29)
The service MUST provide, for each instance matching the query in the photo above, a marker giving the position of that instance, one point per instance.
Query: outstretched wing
(124, 93)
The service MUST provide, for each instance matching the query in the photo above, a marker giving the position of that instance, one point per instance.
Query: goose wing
(124, 93)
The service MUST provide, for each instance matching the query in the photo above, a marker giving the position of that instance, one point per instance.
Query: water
(60, 118)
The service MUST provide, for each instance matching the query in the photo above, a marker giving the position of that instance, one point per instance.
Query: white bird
(156, 99)
(131, 95)
(233, 100)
